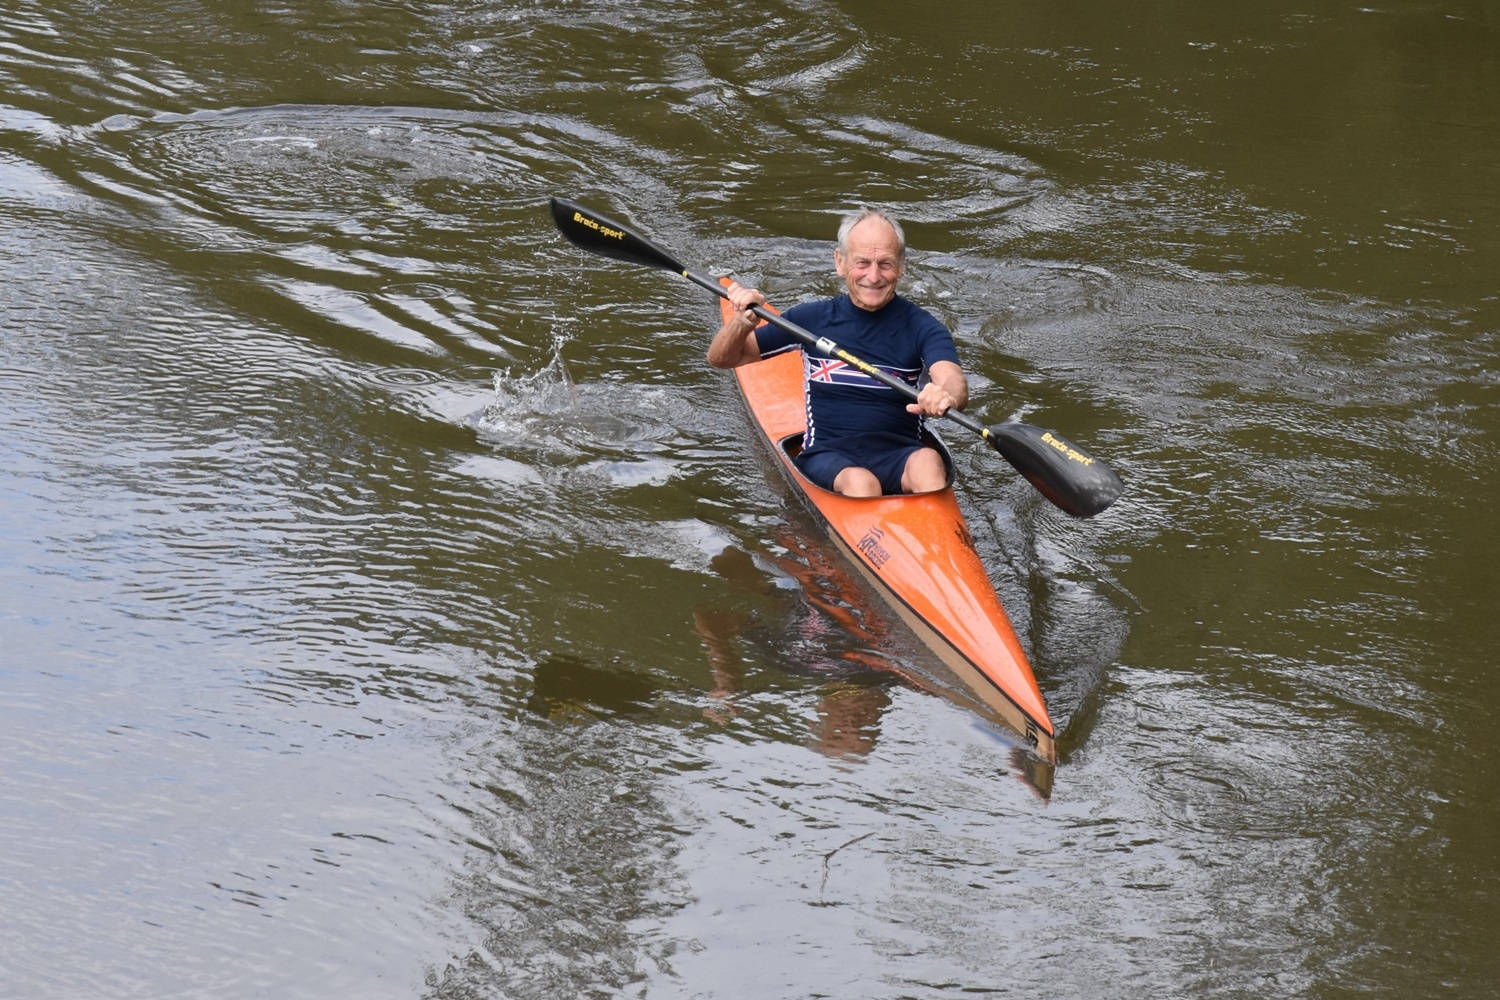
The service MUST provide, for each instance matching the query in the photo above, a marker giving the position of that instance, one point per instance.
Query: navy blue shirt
(900, 338)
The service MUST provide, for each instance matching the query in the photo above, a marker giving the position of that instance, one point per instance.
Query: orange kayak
(915, 550)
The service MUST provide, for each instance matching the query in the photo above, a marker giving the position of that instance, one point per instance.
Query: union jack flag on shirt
(825, 370)
(835, 372)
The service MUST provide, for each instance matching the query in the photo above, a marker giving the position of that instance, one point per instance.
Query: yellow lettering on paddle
(613, 234)
(1068, 450)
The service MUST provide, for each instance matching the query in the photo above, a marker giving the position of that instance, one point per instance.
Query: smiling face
(872, 264)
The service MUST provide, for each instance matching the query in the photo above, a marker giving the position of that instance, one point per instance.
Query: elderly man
(862, 438)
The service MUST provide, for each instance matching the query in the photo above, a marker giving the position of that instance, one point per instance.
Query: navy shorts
(884, 455)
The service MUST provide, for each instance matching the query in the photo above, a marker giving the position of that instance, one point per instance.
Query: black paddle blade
(602, 235)
(1064, 473)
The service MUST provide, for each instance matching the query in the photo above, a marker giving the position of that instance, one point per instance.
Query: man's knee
(855, 481)
(924, 472)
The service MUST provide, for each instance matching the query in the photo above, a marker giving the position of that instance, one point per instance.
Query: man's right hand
(743, 299)
(734, 344)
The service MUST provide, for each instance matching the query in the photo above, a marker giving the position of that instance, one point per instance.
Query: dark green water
(392, 603)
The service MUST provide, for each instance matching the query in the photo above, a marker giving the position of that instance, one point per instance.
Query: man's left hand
(932, 401)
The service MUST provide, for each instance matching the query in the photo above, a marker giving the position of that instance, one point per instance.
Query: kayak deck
(915, 550)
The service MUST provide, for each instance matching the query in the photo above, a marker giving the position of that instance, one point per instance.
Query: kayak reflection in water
(854, 697)
(863, 439)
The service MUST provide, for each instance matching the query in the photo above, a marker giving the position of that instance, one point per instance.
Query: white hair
(855, 218)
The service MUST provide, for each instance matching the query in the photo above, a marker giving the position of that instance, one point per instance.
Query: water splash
(613, 422)
(549, 390)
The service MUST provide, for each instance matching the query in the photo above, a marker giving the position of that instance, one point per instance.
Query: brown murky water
(392, 603)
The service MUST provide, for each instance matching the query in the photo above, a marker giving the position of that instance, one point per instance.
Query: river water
(393, 604)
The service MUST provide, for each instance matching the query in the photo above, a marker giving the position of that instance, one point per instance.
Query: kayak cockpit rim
(791, 447)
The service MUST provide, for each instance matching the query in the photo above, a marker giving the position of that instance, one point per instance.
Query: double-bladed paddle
(1064, 473)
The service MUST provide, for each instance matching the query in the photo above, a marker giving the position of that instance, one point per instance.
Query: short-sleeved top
(900, 338)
